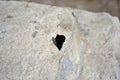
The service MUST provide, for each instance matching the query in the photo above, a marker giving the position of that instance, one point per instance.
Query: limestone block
(28, 49)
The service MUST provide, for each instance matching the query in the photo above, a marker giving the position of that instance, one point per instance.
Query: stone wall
(28, 44)
(110, 6)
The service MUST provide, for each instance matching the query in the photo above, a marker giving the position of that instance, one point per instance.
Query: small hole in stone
(58, 41)
(34, 34)
(9, 16)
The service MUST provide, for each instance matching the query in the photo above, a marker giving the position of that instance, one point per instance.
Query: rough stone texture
(91, 50)
(110, 6)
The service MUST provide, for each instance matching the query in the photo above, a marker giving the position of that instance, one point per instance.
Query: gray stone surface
(91, 50)
(110, 6)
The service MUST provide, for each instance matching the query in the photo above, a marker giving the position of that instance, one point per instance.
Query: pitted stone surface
(91, 50)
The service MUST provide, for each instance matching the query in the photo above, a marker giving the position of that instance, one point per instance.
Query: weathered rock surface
(110, 6)
(91, 50)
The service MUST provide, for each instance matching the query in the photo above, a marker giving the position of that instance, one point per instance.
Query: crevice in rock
(9, 16)
(58, 41)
